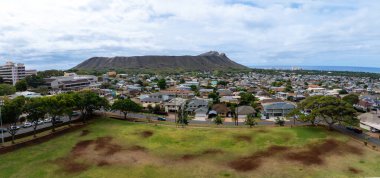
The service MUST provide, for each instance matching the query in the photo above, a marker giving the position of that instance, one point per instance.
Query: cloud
(59, 34)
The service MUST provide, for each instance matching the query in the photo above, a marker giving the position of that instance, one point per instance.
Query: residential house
(244, 111)
(221, 109)
(201, 113)
(174, 104)
(196, 103)
(277, 109)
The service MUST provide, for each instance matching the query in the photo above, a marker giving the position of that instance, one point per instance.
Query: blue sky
(52, 34)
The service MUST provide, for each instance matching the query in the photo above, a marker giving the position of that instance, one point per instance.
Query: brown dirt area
(211, 151)
(102, 152)
(254, 161)
(314, 154)
(354, 170)
(246, 138)
(146, 134)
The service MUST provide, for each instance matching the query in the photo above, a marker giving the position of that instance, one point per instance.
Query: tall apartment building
(11, 72)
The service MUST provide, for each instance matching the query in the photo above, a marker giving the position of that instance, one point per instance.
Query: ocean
(323, 68)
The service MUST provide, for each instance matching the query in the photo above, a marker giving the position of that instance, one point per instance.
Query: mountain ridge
(208, 61)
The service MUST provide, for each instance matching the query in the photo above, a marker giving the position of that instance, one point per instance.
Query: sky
(57, 34)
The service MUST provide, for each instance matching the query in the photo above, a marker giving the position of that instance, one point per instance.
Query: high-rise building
(11, 72)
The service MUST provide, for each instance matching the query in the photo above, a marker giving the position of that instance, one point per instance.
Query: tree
(329, 109)
(280, 121)
(351, 99)
(183, 117)
(36, 109)
(157, 108)
(150, 108)
(218, 120)
(302, 112)
(334, 110)
(162, 84)
(12, 110)
(21, 85)
(1, 80)
(34, 81)
(246, 98)
(55, 108)
(224, 83)
(277, 83)
(6, 89)
(215, 97)
(193, 88)
(68, 104)
(250, 121)
(125, 106)
(288, 87)
(343, 92)
(87, 102)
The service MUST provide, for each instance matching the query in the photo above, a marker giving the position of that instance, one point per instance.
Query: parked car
(75, 113)
(27, 124)
(354, 129)
(58, 121)
(3, 130)
(14, 127)
(40, 122)
(161, 118)
(47, 120)
(373, 130)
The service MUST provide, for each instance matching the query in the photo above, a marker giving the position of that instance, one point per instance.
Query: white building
(11, 72)
(71, 81)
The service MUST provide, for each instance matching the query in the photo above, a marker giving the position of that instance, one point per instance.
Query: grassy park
(114, 148)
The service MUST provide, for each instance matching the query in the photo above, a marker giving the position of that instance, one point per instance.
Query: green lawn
(113, 148)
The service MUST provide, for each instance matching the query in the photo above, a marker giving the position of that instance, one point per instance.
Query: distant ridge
(324, 68)
(204, 62)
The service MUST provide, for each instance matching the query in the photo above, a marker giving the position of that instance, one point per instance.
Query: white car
(14, 127)
(27, 124)
(40, 122)
(47, 120)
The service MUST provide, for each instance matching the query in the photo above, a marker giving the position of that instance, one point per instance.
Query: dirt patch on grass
(84, 133)
(354, 170)
(262, 130)
(252, 162)
(146, 134)
(70, 166)
(137, 148)
(314, 154)
(190, 157)
(246, 138)
(102, 152)
(212, 152)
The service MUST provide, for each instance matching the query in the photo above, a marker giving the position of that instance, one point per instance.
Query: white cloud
(60, 34)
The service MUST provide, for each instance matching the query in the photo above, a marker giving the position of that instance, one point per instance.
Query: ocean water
(324, 68)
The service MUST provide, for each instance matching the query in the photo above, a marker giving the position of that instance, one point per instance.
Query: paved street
(30, 129)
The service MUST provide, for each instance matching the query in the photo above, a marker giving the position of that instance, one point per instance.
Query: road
(30, 129)
(362, 136)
